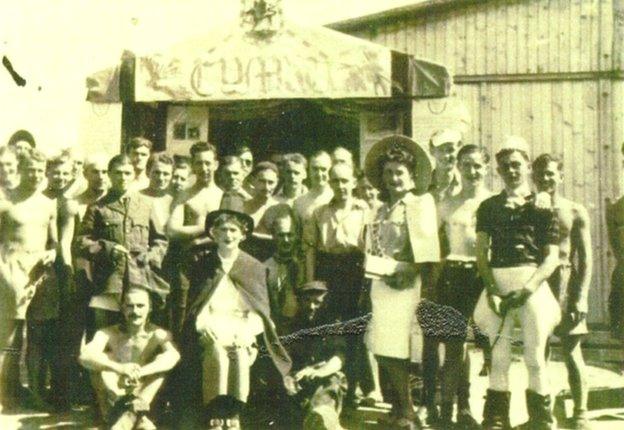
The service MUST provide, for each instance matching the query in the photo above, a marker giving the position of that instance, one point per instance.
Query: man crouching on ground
(128, 363)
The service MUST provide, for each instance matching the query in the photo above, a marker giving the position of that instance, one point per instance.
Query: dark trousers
(344, 276)
(11, 340)
(395, 388)
(42, 353)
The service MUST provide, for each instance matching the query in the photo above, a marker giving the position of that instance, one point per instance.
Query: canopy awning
(294, 63)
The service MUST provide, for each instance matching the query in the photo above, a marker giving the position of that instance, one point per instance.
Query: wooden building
(549, 70)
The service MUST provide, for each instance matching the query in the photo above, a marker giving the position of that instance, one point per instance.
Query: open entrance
(297, 126)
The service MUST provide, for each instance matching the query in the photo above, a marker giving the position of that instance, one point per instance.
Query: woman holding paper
(403, 237)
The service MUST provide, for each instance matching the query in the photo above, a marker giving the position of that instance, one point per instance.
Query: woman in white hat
(401, 240)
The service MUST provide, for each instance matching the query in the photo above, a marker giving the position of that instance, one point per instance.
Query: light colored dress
(393, 330)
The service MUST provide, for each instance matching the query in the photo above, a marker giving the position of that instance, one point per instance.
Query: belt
(461, 264)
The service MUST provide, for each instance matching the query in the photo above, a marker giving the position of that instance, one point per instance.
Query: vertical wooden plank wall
(543, 69)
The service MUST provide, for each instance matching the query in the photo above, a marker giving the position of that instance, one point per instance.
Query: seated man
(128, 363)
(316, 384)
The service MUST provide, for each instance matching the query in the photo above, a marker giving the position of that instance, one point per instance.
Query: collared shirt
(306, 204)
(519, 231)
(389, 233)
(335, 230)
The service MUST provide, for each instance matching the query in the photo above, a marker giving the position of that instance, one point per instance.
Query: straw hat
(422, 175)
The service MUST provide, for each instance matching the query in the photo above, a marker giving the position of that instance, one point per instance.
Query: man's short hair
(159, 157)
(202, 146)
(319, 154)
(22, 135)
(132, 288)
(264, 165)
(118, 160)
(227, 160)
(93, 159)
(543, 160)
(472, 149)
(504, 153)
(138, 142)
(34, 156)
(181, 162)
(283, 211)
(295, 158)
(62, 158)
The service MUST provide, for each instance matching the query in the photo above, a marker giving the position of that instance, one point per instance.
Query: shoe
(232, 424)
(215, 424)
(466, 421)
(580, 422)
(496, 410)
(540, 414)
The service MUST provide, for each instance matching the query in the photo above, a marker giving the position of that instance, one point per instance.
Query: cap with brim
(448, 135)
(245, 219)
(373, 171)
(313, 287)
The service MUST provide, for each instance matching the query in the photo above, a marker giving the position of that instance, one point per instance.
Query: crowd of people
(206, 290)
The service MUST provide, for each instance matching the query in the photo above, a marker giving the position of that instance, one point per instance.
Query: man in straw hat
(517, 251)
(229, 308)
(402, 242)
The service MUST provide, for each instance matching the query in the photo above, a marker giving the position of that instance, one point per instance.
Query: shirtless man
(9, 176)
(186, 224)
(570, 282)
(129, 362)
(180, 176)
(320, 193)
(187, 219)
(160, 171)
(28, 241)
(96, 175)
(459, 286)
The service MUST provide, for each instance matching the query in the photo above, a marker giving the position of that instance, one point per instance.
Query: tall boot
(496, 410)
(540, 413)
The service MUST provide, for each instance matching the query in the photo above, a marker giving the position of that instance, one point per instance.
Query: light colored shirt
(228, 315)
(335, 230)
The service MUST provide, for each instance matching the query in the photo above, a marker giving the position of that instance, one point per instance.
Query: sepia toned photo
(311, 214)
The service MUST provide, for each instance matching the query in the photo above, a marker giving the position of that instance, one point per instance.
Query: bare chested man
(186, 224)
(129, 362)
(570, 282)
(159, 171)
(9, 176)
(187, 219)
(459, 286)
(28, 241)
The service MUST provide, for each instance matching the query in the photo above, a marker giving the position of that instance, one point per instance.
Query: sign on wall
(293, 63)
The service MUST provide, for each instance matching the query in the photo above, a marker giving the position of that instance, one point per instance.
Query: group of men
(87, 252)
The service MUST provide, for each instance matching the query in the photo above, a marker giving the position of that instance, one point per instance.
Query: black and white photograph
(312, 214)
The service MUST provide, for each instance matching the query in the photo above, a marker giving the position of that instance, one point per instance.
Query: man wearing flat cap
(316, 385)
(228, 310)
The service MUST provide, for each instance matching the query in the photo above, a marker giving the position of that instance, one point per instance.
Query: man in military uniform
(119, 236)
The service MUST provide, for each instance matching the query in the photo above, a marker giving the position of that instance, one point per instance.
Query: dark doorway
(306, 128)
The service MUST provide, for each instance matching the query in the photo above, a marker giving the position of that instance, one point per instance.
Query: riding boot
(496, 410)
(540, 414)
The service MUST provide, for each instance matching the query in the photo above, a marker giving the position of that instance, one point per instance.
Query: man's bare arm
(582, 245)
(176, 229)
(93, 355)
(483, 263)
(164, 361)
(544, 270)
